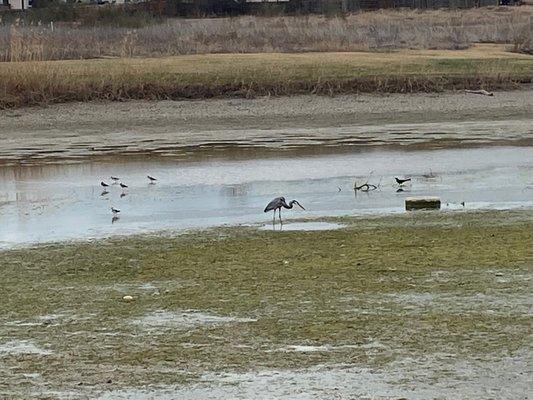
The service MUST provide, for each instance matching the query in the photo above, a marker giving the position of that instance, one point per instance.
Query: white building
(18, 4)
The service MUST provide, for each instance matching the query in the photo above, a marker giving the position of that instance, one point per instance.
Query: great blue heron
(402, 181)
(277, 204)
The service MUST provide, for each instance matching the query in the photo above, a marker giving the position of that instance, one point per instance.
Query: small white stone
(127, 298)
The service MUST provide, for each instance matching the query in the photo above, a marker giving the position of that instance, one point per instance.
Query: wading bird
(115, 179)
(103, 184)
(277, 204)
(114, 211)
(123, 186)
(402, 181)
(152, 179)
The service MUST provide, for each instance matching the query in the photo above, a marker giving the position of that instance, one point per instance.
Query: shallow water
(304, 226)
(21, 347)
(53, 202)
(161, 320)
(436, 376)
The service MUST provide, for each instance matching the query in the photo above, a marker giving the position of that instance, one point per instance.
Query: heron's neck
(290, 205)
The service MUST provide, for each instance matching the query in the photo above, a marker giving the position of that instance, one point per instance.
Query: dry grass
(378, 30)
(217, 75)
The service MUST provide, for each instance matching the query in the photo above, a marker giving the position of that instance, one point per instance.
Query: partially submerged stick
(366, 187)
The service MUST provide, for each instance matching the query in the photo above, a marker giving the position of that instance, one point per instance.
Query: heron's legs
(280, 221)
(274, 218)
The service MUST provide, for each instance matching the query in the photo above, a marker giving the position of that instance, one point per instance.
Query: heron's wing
(276, 203)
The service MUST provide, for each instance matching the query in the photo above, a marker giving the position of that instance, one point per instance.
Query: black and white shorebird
(400, 181)
(123, 186)
(152, 179)
(277, 204)
(103, 184)
(115, 211)
(115, 179)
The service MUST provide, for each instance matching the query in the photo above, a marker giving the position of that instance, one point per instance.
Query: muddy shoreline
(168, 128)
(394, 306)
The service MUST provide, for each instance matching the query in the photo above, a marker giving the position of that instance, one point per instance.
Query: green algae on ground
(422, 283)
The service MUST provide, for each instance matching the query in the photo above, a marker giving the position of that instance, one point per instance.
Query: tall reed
(378, 31)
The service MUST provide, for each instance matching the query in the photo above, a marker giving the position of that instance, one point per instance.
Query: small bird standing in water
(103, 184)
(277, 204)
(115, 179)
(402, 181)
(152, 179)
(114, 211)
(123, 186)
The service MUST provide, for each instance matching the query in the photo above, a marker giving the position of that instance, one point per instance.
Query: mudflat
(387, 307)
(165, 127)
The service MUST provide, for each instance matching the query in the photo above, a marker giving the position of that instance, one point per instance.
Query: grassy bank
(245, 75)
(418, 285)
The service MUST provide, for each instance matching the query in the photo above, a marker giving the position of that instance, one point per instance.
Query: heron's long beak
(302, 207)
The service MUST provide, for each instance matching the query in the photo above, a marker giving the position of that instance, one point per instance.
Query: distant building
(299, 5)
(16, 4)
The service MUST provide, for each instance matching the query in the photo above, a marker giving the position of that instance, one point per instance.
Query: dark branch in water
(366, 187)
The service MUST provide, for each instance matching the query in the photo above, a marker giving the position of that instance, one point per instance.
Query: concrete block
(422, 203)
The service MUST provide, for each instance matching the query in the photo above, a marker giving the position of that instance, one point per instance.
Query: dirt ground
(166, 127)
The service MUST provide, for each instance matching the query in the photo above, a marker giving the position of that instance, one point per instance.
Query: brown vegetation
(379, 30)
(246, 75)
